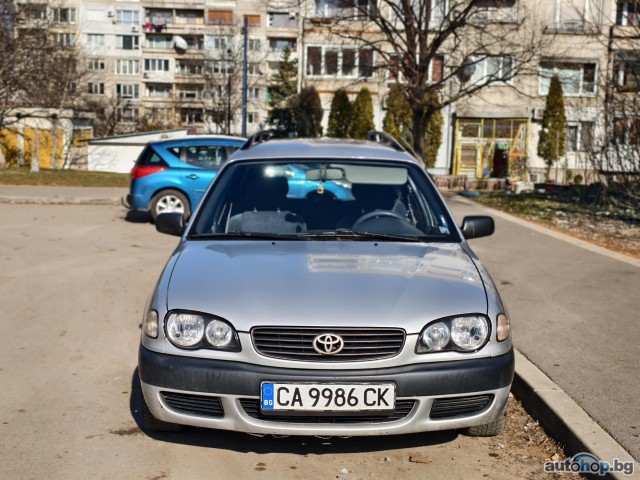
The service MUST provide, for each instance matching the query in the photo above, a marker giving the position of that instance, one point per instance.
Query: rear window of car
(149, 157)
(206, 156)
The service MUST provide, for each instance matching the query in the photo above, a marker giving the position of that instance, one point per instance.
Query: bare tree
(438, 49)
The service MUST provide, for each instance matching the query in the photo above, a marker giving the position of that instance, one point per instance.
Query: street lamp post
(228, 91)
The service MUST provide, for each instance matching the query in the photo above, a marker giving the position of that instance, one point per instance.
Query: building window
(217, 42)
(365, 63)
(96, 64)
(281, 44)
(490, 69)
(576, 78)
(254, 69)
(221, 66)
(127, 67)
(159, 41)
(191, 115)
(495, 11)
(436, 69)
(95, 39)
(65, 39)
(32, 11)
(220, 17)
(96, 88)
(282, 20)
(64, 15)
(159, 90)
(253, 93)
(156, 65)
(626, 131)
(348, 9)
(128, 90)
(252, 21)
(627, 72)
(587, 136)
(628, 14)
(127, 42)
(572, 138)
(253, 118)
(339, 62)
(128, 17)
(186, 67)
(128, 114)
(190, 92)
(254, 44)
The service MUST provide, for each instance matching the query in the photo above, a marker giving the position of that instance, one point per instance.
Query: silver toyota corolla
(362, 315)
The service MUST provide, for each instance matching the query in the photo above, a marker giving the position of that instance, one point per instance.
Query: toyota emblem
(328, 344)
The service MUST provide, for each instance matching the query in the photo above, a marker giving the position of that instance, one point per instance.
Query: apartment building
(179, 62)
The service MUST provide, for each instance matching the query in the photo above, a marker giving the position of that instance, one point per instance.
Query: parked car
(172, 175)
(321, 315)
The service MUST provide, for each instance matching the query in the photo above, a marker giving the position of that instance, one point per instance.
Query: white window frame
(135, 42)
(134, 117)
(128, 91)
(71, 15)
(95, 39)
(96, 88)
(127, 67)
(557, 71)
(96, 64)
(482, 65)
(253, 93)
(156, 65)
(341, 50)
(152, 91)
(128, 17)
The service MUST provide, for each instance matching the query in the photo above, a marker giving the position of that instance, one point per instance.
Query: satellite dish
(180, 44)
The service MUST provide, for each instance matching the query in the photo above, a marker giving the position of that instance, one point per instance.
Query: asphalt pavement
(573, 309)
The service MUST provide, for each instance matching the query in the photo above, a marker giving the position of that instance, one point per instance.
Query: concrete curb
(60, 200)
(562, 417)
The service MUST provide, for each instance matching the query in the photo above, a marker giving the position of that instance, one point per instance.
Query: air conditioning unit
(135, 28)
(293, 14)
(538, 113)
(111, 13)
(145, 75)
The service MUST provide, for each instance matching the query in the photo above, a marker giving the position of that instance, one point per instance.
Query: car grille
(296, 343)
(201, 405)
(459, 406)
(251, 406)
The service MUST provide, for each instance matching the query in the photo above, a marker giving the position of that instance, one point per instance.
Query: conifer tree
(282, 91)
(340, 115)
(553, 135)
(307, 112)
(362, 115)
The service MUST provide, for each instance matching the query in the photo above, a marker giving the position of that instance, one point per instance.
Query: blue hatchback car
(172, 175)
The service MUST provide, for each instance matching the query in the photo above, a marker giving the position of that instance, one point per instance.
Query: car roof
(322, 148)
(199, 139)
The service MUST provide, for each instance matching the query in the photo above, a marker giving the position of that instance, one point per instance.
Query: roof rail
(258, 137)
(386, 139)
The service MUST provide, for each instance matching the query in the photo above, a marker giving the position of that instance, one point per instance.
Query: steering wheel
(377, 214)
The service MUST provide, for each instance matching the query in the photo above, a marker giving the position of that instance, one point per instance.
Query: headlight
(196, 330)
(464, 334)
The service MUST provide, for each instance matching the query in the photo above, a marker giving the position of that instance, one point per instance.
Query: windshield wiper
(351, 235)
(243, 235)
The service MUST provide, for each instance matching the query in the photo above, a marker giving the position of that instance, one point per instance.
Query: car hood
(325, 283)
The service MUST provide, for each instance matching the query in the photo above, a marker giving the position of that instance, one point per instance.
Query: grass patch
(548, 207)
(63, 178)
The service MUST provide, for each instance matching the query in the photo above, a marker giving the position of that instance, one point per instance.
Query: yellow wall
(9, 145)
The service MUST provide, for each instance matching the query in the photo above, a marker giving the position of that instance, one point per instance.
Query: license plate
(327, 397)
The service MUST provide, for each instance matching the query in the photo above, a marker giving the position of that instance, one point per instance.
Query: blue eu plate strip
(267, 396)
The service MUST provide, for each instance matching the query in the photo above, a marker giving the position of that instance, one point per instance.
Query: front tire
(152, 424)
(488, 430)
(168, 201)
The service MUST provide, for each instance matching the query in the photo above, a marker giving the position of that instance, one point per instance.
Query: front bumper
(233, 386)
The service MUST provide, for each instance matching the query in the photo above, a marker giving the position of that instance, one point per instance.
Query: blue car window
(205, 156)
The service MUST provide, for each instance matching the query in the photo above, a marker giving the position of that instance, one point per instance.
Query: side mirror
(477, 226)
(171, 223)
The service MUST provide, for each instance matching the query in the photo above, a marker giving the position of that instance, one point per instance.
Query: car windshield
(324, 200)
